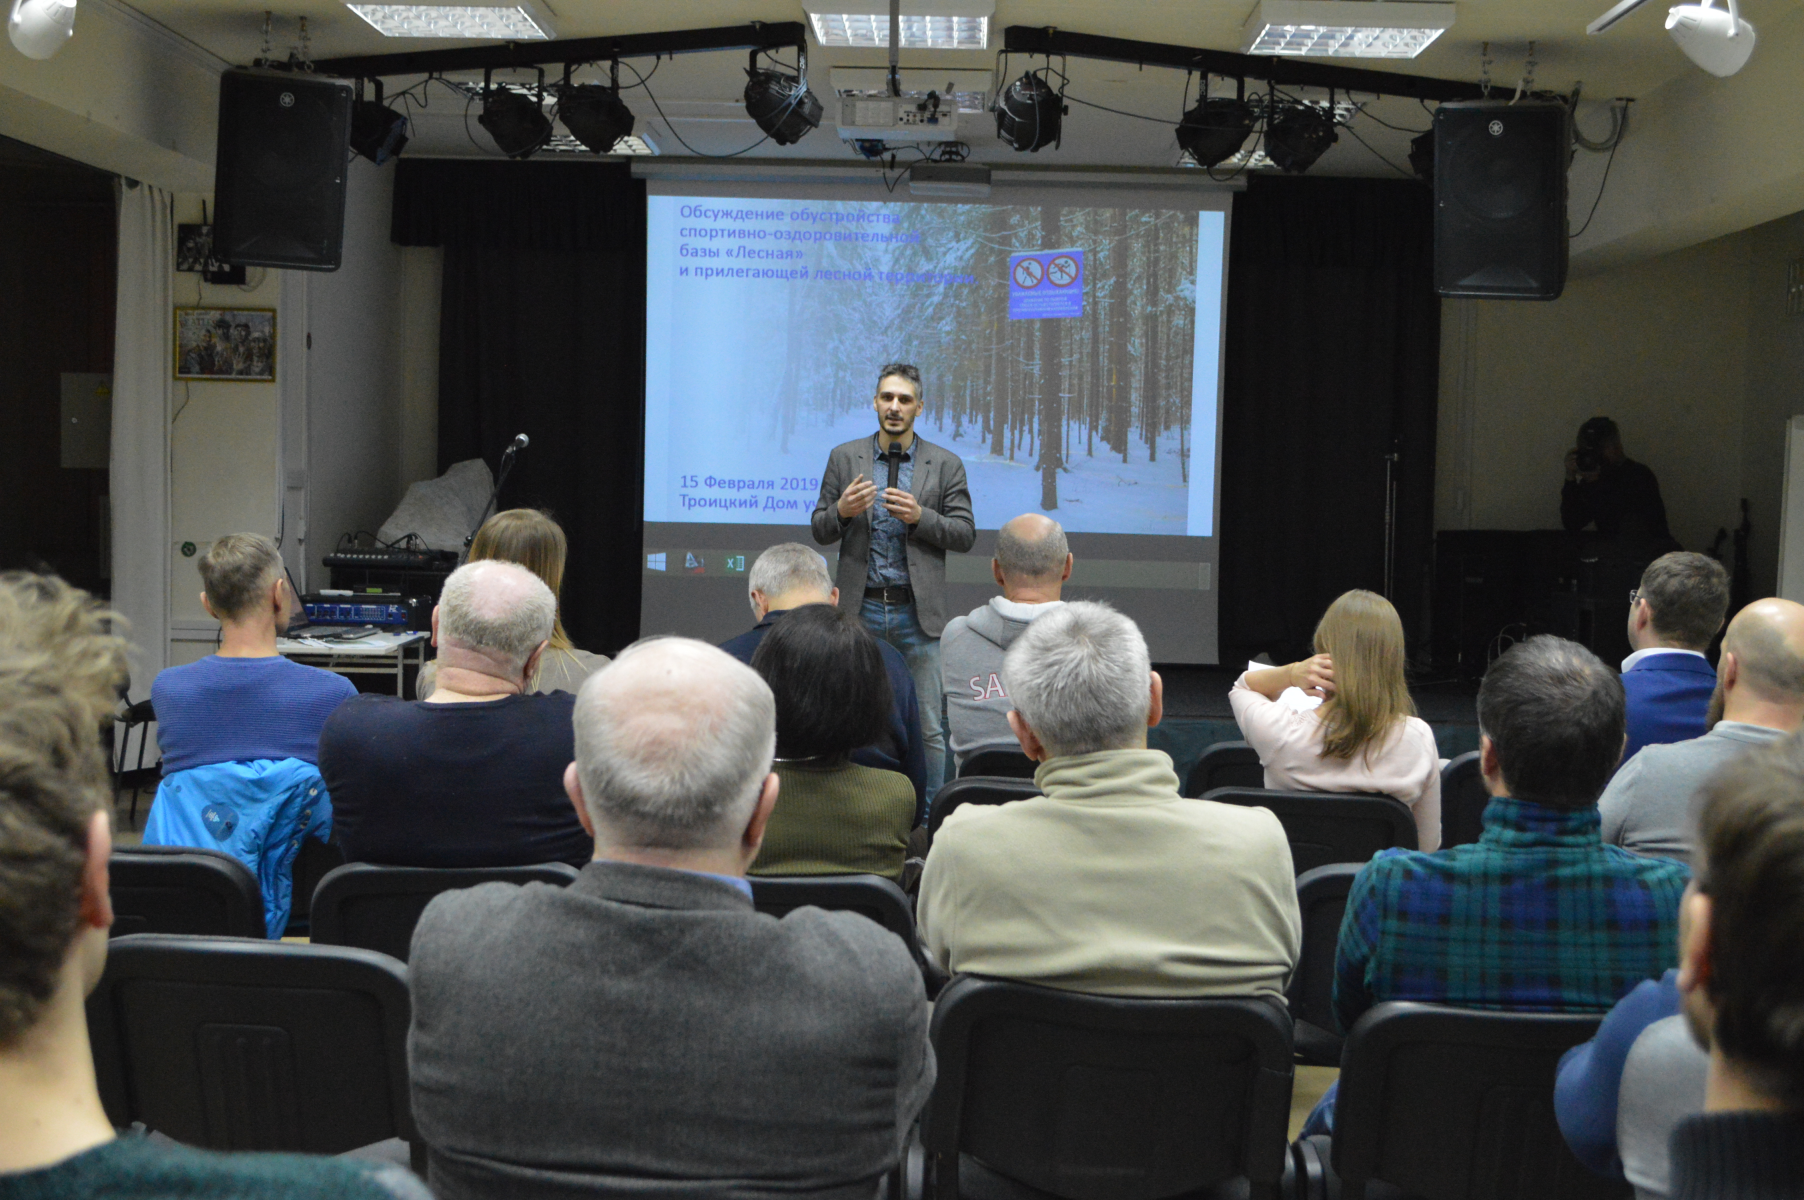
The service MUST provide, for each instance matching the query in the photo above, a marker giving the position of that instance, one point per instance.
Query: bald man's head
(499, 609)
(1767, 640)
(673, 741)
(1031, 548)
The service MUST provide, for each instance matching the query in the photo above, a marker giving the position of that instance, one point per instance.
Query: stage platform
(1197, 714)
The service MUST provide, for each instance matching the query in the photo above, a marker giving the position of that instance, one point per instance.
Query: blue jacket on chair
(1668, 696)
(256, 811)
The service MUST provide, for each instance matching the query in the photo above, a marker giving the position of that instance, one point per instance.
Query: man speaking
(892, 561)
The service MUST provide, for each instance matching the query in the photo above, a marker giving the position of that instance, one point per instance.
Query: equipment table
(374, 654)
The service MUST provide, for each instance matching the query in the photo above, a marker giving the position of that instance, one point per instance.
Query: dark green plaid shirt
(1538, 915)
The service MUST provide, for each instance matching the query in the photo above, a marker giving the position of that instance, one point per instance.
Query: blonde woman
(1365, 735)
(535, 541)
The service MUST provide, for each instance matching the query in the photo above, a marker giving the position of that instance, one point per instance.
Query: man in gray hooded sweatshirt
(1031, 566)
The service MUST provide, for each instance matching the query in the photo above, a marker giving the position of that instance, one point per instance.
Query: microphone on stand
(520, 442)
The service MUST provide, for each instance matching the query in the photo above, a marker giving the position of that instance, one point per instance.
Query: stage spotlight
(40, 27)
(377, 131)
(1716, 39)
(1214, 130)
(1029, 113)
(1297, 136)
(516, 122)
(1421, 155)
(781, 104)
(594, 115)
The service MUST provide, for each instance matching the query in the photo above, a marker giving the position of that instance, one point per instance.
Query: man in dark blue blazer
(1673, 616)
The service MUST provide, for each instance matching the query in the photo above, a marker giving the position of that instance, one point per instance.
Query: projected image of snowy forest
(1086, 417)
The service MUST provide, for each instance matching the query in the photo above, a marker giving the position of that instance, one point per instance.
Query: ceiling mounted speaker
(1500, 199)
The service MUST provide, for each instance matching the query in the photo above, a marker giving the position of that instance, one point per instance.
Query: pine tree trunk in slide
(1115, 432)
(999, 331)
(1152, 406)
(1052, 379)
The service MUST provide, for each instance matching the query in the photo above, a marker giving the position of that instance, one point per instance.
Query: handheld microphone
(894, 457)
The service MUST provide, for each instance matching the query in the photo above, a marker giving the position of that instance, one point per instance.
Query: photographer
(1606, 486)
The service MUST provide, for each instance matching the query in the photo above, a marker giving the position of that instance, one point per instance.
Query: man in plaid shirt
(1538, 915)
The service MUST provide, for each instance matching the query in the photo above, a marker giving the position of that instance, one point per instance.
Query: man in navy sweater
(1673, 616)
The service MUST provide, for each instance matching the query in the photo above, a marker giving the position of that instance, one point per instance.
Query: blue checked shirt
(888, 566)
(1538, 915)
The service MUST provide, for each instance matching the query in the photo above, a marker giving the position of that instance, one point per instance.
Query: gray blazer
(645, 1032)
(946, 524)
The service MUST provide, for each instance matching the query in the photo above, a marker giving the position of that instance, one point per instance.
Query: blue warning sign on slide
(1045, 283)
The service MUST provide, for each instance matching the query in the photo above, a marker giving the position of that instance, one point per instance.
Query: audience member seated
(644, 1031)
(1673, 616)
(790, 575)
(1741, 976)
(1538, 915)
(59, 671)
(1620, 1095)
(535, 541)
(1650, 806)
(1031, 566)
(1110, 882)
(1365, 735)
(472, 775)
(836, 817)
(240, 729)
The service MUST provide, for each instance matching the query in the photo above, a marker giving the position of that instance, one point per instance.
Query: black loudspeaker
(279, 182)
(1500, 199)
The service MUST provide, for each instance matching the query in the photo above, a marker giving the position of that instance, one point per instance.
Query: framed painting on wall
(237, 344)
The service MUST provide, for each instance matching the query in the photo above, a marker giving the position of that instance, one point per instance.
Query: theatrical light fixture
(1029, 113)
(377, 131)
(1298, 135)
(929, 25)
(1344, 28)
(507, 23)
(595, 116)
(1214, 130)
(1716, 39)
(40, 27)
(781, 104)
(517, 122)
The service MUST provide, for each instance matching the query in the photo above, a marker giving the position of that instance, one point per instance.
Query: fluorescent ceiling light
(1345, 28)
(928, 25)
(511, 23)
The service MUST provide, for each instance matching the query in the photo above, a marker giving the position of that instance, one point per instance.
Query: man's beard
(1715, 712)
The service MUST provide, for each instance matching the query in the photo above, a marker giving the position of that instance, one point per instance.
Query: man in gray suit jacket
(644, 1031)
(893, 540)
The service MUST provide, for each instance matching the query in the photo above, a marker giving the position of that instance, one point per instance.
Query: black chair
(136, 718)
(1048, 1093)
(178, 889)
(312, 862)
(1322, 897)
(976, 789)
(1330, 827)
(231, 1044)
(1009, 763)
(870, 896)
(1463, 801)
(375, 907)
(1225, 764)
(1454, 1103)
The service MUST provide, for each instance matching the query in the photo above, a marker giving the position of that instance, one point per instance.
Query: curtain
(142, 372)
(542, 332)
(1332, 364)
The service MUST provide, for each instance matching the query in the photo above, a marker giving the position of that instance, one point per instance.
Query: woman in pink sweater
(1364, 736)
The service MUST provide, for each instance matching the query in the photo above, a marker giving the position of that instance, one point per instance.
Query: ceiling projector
(40, 27)
(1716, 39)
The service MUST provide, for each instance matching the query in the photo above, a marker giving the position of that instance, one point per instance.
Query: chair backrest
(872, 896)
(232, 1044)
(1458, 1103)
(976, 789)
(1104, 1097)
(312, 863)
(1010, 763)
(376, 907)
(1322, 899)
(1463, 801)
(1330, 827)
(178, 889)
(1225, 764)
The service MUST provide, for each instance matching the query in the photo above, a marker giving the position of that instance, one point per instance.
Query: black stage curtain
(1332, 362)
(542, 332)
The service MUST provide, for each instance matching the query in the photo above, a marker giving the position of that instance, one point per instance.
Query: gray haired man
(472, 775)
(1111, 882)
(1031, 566)
(644, 1030)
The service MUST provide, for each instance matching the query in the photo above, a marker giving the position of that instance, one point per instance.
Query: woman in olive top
(833, 817)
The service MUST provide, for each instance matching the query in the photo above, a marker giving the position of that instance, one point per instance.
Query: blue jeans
(898, 625)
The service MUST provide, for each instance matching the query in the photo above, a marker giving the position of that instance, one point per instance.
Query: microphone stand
(507, 464)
